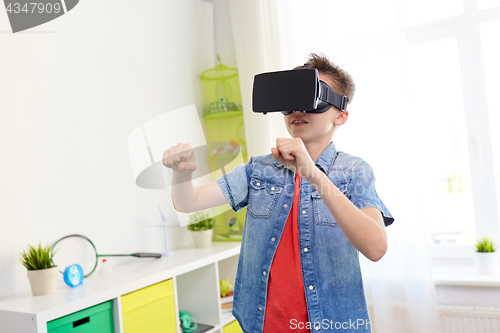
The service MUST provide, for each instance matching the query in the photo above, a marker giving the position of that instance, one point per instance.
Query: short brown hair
(343, 79)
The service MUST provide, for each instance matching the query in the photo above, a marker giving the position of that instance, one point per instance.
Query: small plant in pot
(201, 225)
(486, 256)
(42, 274)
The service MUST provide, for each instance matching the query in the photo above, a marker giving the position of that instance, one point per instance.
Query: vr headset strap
(333, 98)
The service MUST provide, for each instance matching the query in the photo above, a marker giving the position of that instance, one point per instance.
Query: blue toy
(73, 275)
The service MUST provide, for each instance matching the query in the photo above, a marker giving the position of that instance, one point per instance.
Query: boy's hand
(180, 158)
(292, 154)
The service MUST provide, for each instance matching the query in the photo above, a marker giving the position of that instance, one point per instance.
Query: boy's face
(319, 127)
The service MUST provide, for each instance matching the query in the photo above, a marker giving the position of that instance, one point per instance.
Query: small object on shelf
(42, 273)
(486, 256)
(227, 299)
(203, 238)
(73, 275)
(225, 287)
(227, 309)
(201, 224)
(188, 323)
(164, 225)
(105, 268)
(226, 302)
(227, 305)
(43, 281)
(81, 250)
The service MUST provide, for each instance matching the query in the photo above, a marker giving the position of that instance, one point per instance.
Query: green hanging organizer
(226, 137)
(222, 89)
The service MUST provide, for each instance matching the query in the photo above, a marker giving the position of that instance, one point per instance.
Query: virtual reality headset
(294, 90)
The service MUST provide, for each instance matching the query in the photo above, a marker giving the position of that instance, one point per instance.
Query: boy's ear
(341, 118)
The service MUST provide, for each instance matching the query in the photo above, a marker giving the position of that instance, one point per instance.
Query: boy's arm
(188, 198)
(364, 228)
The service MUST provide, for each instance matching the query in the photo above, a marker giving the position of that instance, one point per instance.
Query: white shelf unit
(195, 273)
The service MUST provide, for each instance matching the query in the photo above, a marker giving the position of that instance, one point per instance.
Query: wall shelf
(195, 273)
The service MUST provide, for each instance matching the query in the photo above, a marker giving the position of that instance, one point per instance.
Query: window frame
(465, 28)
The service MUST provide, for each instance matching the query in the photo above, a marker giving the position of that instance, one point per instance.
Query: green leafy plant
(485, 244)
(205, 222)
(35, 258)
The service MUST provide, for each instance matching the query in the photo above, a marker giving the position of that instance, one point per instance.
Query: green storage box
(96, 319)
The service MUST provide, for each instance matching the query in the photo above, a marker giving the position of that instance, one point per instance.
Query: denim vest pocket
(263, 197)
(322, 215)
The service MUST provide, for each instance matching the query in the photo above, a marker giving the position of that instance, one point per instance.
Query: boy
(310, 210)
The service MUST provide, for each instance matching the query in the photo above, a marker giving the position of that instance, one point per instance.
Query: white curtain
(366, 39)
(258, 49)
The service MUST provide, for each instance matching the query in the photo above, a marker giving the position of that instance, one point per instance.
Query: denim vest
(330, 265)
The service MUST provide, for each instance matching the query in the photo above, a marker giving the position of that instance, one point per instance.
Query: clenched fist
(292, 154)
(180, 158)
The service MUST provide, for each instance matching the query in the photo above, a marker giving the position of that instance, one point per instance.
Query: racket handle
(146, 255)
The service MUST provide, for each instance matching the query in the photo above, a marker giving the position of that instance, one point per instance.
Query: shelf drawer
(151, 309)
(97, 319)
(233, 327)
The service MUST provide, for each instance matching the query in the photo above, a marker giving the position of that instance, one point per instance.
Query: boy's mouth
(298, 121)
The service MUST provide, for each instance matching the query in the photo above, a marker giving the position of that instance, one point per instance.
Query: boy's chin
(304, 138)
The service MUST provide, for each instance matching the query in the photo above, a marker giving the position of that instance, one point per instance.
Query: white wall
(71, 91)
(224, 39)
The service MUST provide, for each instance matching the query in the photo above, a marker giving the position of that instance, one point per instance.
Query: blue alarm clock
(73, 275)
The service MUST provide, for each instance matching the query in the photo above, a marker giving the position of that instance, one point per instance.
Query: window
(414, 12)
(491, 54)
(436, 101)
(462, 203)
(429, 77)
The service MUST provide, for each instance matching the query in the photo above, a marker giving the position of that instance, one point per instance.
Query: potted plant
(42, 274)
(486, 256)
(202, 230)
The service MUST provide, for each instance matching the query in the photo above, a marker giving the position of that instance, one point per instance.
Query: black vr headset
(294, 90)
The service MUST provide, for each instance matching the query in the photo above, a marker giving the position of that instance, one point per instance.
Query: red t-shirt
(286, 304)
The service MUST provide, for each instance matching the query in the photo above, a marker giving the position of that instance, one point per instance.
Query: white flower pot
(202, 238)
(43, 281)
(486, 262)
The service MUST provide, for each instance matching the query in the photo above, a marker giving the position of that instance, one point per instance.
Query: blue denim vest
(330, 265)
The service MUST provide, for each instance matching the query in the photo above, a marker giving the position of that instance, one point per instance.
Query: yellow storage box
(233, 327)
(151, 309)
